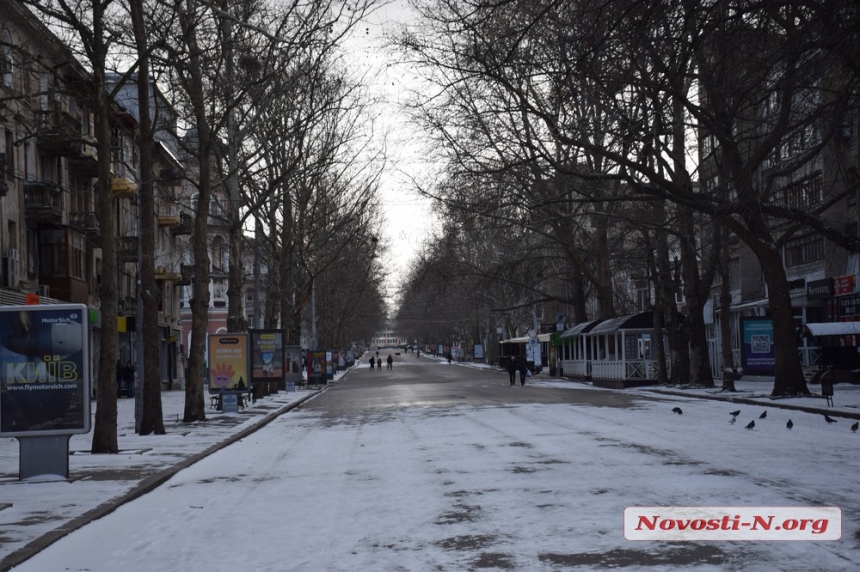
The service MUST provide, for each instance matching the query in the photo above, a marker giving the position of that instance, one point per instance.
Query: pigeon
(732, 422)
(855, 427)
(677, 410)
(763, 415)
(789, 425)
(829, 419)
(750, 425)
(735, 413)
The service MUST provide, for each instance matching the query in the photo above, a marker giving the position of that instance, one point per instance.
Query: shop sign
(844, 285)
(819, 289)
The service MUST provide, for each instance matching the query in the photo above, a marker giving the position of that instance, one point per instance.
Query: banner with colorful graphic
(267, 355)
(228, 362)
(317, 367)
(45, 373)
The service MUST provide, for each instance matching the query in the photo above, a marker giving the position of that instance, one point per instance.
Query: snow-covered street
(521, 487)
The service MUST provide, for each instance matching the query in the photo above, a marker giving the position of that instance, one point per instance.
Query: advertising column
(228, 368)
(44, 383)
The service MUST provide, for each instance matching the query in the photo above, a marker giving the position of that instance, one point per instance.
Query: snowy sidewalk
(46, 510)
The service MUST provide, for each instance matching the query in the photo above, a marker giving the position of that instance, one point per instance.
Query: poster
(228, 362)
(45, 374)
(757, 354)
(267, 355)
(293, 361)
(317, 367)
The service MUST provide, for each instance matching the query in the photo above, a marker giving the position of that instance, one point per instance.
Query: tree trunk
(788, 369)
(726, 311)
(104, 430)
(194, 402)
(152, 419)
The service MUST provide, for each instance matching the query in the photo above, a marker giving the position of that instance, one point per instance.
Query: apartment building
(814, 170)
(49, 227)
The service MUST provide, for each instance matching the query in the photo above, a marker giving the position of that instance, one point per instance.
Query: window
(63, 254)
(52, 253)
(804, 249)
(6, 64)
(10, 155)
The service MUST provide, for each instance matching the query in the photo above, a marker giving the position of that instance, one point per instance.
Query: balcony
(87, 222)
(128, 249)
(59, 134)
(124, 182)
(86, 161)
(168, 214)
(123, 187)
(163, 273)
(43, 202)
(185, 226)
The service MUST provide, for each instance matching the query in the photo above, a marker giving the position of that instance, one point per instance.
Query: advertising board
(228, 362)
(45, 373)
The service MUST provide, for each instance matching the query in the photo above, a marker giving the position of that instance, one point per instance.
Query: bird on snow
(855, 427)
(763, 415)
(732, 422)
(829, 419)
(789, 425)
(750, 425)
(677, 410)
(735, 413)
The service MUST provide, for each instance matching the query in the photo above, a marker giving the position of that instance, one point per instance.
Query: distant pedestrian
(372, 362)
(523, 365)
(512, 369)
(128, 378)
(118, 378)
(390, 362)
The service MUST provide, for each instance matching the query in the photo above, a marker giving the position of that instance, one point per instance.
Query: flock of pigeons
(789, 425)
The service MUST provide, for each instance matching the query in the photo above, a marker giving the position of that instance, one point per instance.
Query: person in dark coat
(512, 369)
(128, 378)
(118, 378)
(372, 363)
(390, 362)
(523, 365)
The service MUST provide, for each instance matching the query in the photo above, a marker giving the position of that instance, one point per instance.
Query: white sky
(407, 215)
(429, 488)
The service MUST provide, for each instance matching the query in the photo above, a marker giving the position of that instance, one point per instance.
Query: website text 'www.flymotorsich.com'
(698, 523)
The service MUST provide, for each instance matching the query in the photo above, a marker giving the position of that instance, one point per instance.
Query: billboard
(317, 367)
(45, 373)
(293, 361)
(228, 362)
(267, 355)
(757, 353)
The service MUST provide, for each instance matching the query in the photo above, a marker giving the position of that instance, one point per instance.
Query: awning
(582, 328)
(831, 329)
(642, 322)
(522, 340)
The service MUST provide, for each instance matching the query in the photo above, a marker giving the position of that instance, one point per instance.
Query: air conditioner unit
(44, 291)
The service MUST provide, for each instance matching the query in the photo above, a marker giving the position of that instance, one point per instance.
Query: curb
(146, 485)
(750, 401)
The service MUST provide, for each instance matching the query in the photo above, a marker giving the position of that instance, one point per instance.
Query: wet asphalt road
(427, 382)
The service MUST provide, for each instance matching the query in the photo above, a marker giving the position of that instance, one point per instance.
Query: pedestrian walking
(390, 362)
(372, 362)
(512, 369)
(523, 365)
(128, 378)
